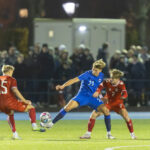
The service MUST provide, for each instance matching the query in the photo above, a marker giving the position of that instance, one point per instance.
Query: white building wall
(56, 32)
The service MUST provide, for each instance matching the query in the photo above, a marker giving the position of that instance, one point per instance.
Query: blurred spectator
(20, 72)
(78, 57)
(3, 58)
(51, 51)
(115, 59)
(20, 68)
(56, 57)
(34, 58)
(29, 63)
(143, 54)
(62, 48)
(46, 63)
(121, 65)
(130, 53)
(12, 56)
(64, 73)
(124, 52)
(137, 74)
(87, 64)
(133, 48)
(103, 52)
(32, 65)
(147, 85)
(64, 58)
(46, 71)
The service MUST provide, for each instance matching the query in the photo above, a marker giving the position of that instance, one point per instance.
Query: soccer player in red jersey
(9, 103)
(115, 94)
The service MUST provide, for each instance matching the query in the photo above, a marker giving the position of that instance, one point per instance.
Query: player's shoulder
(88, 72)
(101, 74)
(7, 77)
(11, 78)
(121, 83)
(108, 80)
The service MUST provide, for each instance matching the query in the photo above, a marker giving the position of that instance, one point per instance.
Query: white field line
(118, 147)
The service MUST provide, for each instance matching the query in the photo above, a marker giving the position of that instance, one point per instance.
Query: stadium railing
(43, 91)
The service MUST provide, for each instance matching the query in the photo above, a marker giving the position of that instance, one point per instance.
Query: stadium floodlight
(82, 28)
(23, 12)
(70, 7)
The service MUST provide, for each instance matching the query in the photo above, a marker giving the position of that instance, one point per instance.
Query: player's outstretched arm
(98, 90)
(20, 96)
(68, 83)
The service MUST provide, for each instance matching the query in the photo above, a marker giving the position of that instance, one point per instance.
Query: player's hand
(96, 94)
(59, 87)
(122, 98)
(105, 100)
(28, 102)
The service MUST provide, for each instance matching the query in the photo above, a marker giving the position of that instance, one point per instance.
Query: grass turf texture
(65, 136)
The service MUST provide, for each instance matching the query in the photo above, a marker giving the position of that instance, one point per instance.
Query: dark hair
(105, 45)
(45, 45)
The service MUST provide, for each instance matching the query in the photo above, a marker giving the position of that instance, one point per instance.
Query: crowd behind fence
(43, 93)
(44, 67)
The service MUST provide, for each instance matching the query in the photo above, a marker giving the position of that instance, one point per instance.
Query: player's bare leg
(91, 124)
(32, 114)
(11, 123)
(105, 110)
(123, 112)
(71, 105)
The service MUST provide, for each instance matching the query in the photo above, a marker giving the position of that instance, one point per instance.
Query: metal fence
(43, 91)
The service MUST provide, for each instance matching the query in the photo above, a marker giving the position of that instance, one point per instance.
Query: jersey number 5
(4, 87)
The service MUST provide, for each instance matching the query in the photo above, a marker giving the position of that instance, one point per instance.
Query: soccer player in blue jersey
(90, 80)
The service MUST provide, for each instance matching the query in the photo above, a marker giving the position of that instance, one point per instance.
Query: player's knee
(127, 118)
(29, 107)
(106, 111)
(67, 109)
(95, 115)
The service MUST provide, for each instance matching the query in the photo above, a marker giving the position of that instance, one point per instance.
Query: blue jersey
(89, 82)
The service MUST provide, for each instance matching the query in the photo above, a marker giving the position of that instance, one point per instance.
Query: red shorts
(13, 104)
(116, 107)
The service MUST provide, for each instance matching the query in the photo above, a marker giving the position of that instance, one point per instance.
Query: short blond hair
(116, 74)
(99, 64)
(7, 68)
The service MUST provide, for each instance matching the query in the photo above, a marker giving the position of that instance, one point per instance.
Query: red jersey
(8, 100)
(6, 85)
(114, 92)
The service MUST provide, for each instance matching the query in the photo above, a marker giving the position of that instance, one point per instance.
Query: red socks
(32, 115)
(130, 126)
(11, 122)
(91, 124)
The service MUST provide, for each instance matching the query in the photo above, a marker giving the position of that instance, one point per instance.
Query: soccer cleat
(36, 128)
(133, 136)
(46, 125)
(16, 137)
(109, 136)
(85, 136)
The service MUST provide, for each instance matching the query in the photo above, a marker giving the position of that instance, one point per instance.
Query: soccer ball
(45, 118)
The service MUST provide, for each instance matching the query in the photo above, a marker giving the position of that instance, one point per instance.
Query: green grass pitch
(65, 136)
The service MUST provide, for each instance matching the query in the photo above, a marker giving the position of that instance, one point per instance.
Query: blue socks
(59, 116)
(108, 123)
